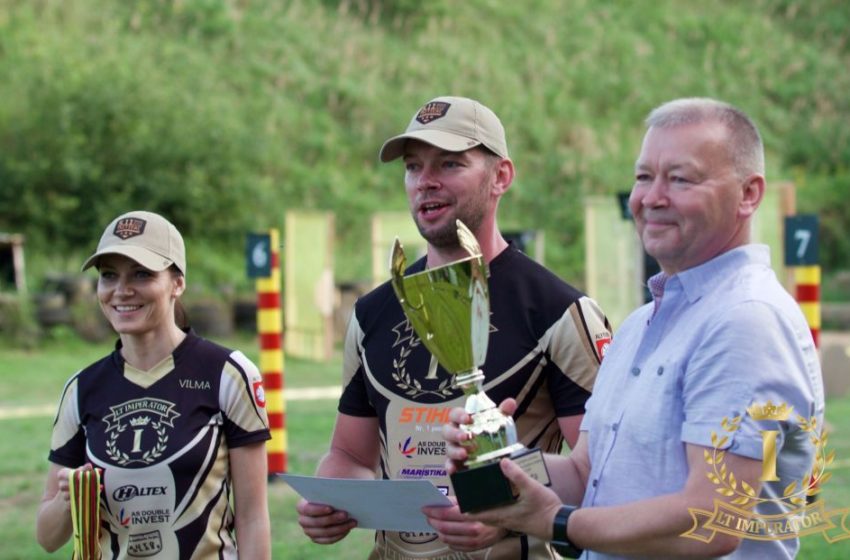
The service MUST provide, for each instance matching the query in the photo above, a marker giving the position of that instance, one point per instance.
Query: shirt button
(614, 427)
(595, 482)
(635, 371)
(660, 370)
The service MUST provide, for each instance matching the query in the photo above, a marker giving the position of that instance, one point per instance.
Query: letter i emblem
(137, 441)
(768, 464)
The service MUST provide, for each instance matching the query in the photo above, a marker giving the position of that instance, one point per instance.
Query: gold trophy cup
(449, 308)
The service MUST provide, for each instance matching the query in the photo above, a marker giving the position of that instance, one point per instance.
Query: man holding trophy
(473, 322)
(702, 437)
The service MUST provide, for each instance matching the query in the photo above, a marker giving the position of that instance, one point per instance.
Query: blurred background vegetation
(224, 114)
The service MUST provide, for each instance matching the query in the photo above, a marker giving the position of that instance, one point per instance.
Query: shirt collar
(703, 278)
(656, 285)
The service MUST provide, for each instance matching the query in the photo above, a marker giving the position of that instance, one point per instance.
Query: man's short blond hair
(745, 144)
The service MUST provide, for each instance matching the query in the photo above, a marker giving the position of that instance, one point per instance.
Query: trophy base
(484, 487)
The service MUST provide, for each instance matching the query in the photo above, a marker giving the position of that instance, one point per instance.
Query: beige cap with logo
(147, 238)
(455, 124)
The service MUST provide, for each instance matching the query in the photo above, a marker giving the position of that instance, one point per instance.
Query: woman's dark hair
(181, 317)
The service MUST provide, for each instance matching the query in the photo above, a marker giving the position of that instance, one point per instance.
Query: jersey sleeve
(242, 401)
(355, 397)
(68, 442)
(576, 344)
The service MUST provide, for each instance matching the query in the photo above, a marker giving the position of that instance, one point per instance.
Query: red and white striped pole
(270, 330)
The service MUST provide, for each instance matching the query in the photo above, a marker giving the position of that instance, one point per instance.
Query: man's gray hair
(745, 143)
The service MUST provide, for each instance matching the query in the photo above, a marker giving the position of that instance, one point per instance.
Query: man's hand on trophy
(532, 513)
(457, 531)
(458, 439)
(323, 524)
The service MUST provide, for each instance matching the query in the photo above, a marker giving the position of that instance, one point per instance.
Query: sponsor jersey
(162, 439)
(544, 349)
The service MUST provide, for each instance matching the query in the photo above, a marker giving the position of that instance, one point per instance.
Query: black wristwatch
(560, 541)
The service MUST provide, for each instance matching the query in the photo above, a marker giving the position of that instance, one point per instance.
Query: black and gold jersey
(546, 342)
(162, 438)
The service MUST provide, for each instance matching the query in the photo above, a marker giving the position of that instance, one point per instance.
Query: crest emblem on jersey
(432, 111)
(410, 383)
(129, 227)
(259, 394)
(137, 431)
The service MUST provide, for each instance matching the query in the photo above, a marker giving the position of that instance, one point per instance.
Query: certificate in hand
(389, 505)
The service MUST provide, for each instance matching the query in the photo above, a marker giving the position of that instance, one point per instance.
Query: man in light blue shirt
(697, 384)
(724, 336)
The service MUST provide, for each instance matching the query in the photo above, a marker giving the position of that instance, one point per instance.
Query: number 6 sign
(258, 253)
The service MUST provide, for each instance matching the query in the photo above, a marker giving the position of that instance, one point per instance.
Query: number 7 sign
(801, 240)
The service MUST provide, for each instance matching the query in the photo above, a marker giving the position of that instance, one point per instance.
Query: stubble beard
(445, 236)
(471, 213)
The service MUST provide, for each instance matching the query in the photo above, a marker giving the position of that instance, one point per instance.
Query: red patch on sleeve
(259, 394)
(602, 345)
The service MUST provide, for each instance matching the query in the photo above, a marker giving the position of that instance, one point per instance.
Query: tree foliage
(224, 114)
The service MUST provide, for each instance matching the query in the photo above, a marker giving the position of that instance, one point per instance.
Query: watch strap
(560, 541)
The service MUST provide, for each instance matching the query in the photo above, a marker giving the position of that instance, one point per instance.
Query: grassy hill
(224, 114)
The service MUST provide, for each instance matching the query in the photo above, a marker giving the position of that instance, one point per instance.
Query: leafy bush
(224, 114)
(17, 324)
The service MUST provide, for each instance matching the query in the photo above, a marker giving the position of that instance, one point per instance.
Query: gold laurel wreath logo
(148, 457)
(745, 495)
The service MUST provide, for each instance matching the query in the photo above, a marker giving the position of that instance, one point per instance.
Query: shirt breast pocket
(655, 404)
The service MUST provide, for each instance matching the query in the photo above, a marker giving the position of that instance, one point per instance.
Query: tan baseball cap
(455, 124)
(147, 238)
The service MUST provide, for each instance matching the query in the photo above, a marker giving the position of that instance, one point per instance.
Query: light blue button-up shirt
(725, 334)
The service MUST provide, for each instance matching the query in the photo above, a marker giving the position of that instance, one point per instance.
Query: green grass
(41, 373)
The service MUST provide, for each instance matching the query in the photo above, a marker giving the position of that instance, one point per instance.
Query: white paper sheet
(391, 505)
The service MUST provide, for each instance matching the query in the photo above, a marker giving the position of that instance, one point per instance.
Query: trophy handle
(397, 263)
(467, 239)
(480, 301)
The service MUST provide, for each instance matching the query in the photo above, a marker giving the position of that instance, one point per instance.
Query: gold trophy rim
(442, 266)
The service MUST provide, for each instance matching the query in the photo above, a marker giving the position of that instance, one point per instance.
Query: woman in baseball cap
(174, 423)
(149, 241)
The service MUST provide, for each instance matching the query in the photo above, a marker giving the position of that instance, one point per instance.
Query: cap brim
(145, 257)
(394, 147)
